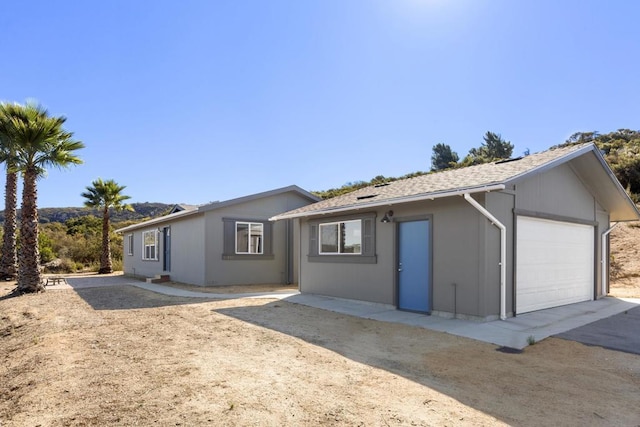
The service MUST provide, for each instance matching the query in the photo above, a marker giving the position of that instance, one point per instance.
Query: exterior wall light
(387, 217)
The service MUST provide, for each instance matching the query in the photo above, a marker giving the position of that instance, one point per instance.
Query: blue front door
(414, 260)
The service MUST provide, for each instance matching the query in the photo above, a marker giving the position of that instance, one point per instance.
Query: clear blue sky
(196, 101)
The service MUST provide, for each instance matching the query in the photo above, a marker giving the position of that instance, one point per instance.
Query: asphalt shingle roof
(471, 177)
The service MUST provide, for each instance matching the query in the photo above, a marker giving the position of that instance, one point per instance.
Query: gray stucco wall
(187, 252)
(197, 246)
(250, 270)
(134, 265)
(458, 236)
(558, 192)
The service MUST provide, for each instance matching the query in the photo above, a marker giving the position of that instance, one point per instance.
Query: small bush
(62, 265)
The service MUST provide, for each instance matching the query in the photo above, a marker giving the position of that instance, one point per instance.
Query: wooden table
(55, 280)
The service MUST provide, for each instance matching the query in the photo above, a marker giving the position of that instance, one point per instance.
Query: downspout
(287, 250)
(503, 252)
(605, 265)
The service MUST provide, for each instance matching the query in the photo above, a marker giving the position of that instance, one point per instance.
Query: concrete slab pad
(515, 332)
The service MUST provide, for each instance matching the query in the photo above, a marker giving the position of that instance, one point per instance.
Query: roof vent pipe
(503, 252)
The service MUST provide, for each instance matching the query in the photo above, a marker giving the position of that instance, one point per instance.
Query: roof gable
(290, 189)
(188, 210)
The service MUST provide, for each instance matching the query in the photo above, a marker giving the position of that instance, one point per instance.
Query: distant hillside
(141, 211)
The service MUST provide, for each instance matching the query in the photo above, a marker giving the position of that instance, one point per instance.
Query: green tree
(40, 142)
(582, 137)
(106, 195)
(86, 226)
(443, 157)
(492, 149)
(8, 257)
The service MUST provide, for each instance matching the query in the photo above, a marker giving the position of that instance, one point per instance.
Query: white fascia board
(392, 201)
(158, 220)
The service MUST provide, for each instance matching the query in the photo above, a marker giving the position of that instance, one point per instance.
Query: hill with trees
(493, 148)
(141, 211)
(620, 148)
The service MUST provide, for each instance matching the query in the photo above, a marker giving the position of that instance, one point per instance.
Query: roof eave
(619, 187)
(391, 201)
(159, 220)
(257, 196)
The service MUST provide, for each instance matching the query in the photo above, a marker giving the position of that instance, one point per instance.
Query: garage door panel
(554, 263)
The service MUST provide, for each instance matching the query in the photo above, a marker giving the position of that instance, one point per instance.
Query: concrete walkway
(176, 292)
(515, 332)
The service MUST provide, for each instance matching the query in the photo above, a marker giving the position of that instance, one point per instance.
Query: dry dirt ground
(120, 355)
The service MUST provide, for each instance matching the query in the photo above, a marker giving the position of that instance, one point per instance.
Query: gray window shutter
(313, 239)
(268, 238)
(229, 237)
(368, 236)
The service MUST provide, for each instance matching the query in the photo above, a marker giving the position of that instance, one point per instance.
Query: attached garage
(505, 238)
(554, 263)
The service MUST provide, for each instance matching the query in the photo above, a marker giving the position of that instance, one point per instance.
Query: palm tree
(40, 142)
(8, 257)
(106, 195)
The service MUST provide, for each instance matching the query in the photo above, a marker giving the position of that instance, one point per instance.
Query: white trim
(391, 202)
(249, 225)
(130, 244)
(321, 253)
(155, 246)
(503, 252)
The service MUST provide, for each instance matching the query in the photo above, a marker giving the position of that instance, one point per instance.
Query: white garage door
(554, 264)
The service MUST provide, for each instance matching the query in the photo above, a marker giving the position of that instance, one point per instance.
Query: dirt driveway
(125, 356)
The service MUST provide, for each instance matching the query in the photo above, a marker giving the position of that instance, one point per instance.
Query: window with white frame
(150, 245)
(130, 244)
(342, 237)
(249, 237)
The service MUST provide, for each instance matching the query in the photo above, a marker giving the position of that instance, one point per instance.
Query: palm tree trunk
(29, 278)
(105, 258)
(8, 258)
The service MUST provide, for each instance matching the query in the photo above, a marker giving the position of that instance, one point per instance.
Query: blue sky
(196, 101)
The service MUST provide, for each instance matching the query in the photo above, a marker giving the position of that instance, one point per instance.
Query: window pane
(242, 237)
(329, 238)
(350, 237)
(256, 239)
(150, 241)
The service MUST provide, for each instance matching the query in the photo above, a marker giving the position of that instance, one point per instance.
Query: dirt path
(125, 356)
